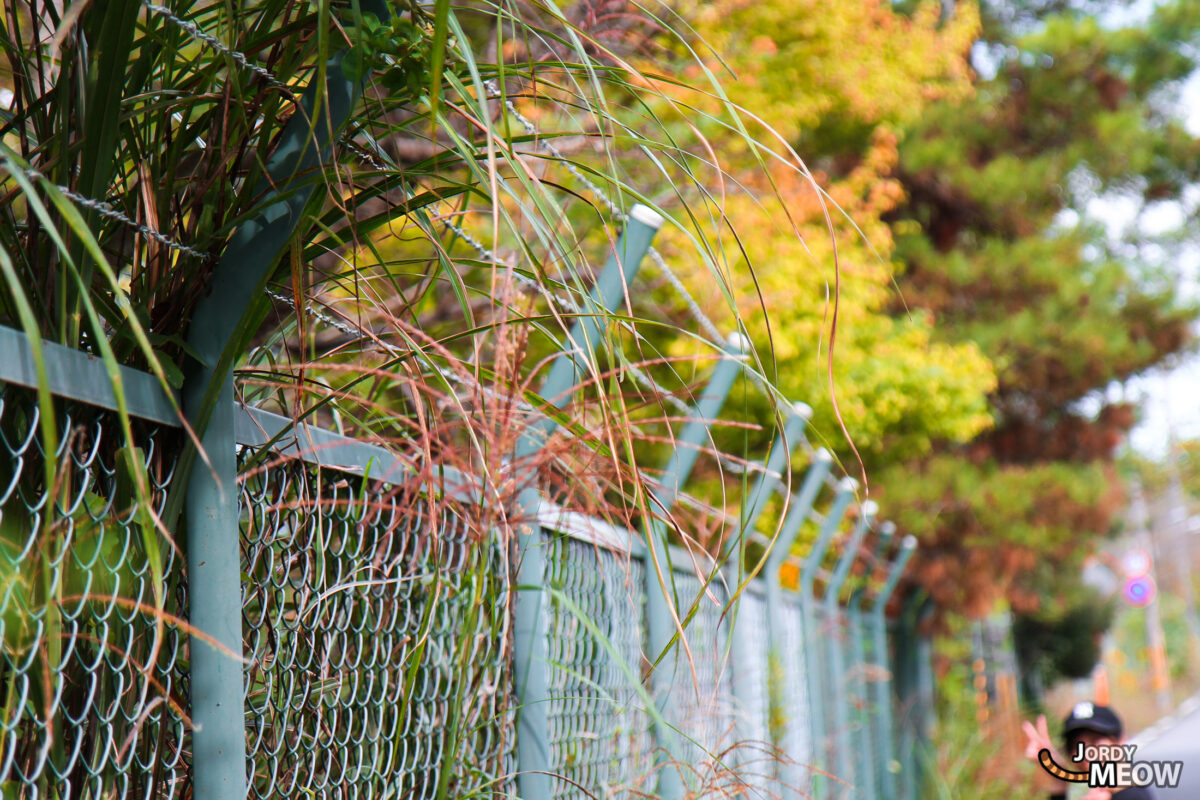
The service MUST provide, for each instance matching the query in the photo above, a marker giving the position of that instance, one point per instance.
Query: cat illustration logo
(1046, 759)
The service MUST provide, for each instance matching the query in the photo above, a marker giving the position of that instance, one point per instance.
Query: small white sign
(1135, 563)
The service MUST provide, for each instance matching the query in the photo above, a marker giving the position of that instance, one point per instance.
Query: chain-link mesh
(376, 635)
(835, 636)
(755, 756)
(91, 691)
(599, 729)
(793, 666)
(374, 629)
(701, 699)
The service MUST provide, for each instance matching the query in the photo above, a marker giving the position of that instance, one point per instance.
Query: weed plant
(439, 245)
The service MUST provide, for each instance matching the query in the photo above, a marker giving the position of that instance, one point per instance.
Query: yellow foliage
(790, 248)
(797, 60)
(896, 387)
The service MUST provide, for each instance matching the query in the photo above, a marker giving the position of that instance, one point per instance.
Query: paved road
(1177, 739)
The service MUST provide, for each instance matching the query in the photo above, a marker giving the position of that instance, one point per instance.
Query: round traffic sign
(1139, 592)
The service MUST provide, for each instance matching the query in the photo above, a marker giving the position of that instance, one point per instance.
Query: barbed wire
(191, 29)
(107, 210)
(104, 208)
(484, 253)
(357, 333)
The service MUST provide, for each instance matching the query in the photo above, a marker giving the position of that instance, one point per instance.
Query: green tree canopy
(995, 242)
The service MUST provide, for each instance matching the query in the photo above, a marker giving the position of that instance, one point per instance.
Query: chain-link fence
(93, 679)
(374, 656)
(599, 729)
(791, 672)
(378, 641)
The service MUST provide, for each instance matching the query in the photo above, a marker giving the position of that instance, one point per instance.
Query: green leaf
(441, 34)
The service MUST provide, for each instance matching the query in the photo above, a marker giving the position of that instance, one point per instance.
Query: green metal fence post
(606, 295)
(837, 666)
(734, 567)
(909, 682)
(221, 325)
(660, 595)
(869, 673)
(864, 778)
(864, 720)
(886, 744)
(784, 706)
(215, 608)
(812, 639)
(535, 769)
(925, 693)
(695, 433)
(227, 316)
(902, 681)
(777, 461)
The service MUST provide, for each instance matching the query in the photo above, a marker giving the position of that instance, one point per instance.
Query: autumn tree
(998, 241)
(966, 151)
(896, 388)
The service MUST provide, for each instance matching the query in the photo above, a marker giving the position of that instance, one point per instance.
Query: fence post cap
(647, 216)
(847, 484)
(869, 508)
(821, 456)
(737, 341)
(802, 410)
(909, 542)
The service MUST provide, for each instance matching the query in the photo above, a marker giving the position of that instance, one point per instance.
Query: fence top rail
(254, 427)
(621, 540)
(592, 530)
(83, 377)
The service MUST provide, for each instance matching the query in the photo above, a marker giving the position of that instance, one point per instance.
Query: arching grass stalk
(449, 239)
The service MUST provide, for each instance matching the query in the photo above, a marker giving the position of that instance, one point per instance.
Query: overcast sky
(1170, 398)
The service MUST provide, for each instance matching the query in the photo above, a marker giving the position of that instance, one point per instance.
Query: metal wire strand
(193, 31)
(106, 210)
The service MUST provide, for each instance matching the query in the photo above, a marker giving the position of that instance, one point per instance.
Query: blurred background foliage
(999, 246)
(982, 310)
(983, 302)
